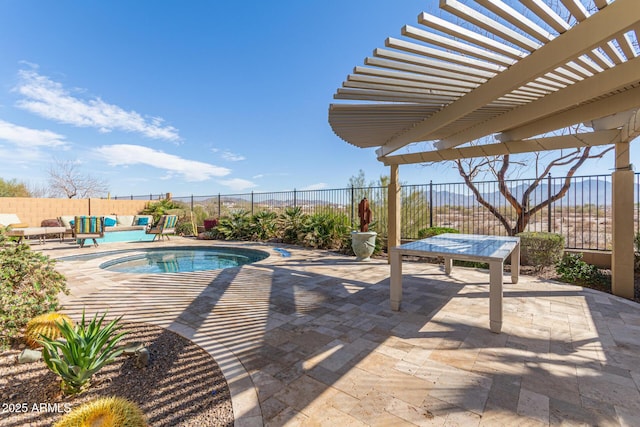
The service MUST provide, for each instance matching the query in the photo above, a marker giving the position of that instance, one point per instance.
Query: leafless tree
(498, 166)
(67, 180)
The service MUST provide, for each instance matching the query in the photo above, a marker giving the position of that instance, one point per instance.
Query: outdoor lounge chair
(88, 227)
(165, 226)
(16, 228)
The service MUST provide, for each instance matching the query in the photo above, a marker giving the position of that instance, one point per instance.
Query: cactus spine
(44, 324)
(104, 412)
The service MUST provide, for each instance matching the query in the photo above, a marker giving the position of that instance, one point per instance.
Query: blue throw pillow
(109, 222)
(72, 223)
(143, 221)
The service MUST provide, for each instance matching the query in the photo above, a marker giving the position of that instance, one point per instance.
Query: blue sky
(197, 97)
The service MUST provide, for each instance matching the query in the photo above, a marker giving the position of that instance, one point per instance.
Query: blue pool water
(179, 260)
(123, 236)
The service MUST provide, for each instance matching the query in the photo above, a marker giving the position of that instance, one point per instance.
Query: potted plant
(363, 242)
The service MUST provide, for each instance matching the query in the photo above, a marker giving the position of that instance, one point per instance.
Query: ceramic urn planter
(363, 244)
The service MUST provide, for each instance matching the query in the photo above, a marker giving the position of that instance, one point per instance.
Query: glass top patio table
(467, 247)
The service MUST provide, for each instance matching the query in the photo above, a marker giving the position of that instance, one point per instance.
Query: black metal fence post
(353, 206)
(219, 206)
(549, 207)
(430, 203)
(252, 213)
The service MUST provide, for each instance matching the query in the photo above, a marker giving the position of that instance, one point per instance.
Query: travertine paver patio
(311, 340)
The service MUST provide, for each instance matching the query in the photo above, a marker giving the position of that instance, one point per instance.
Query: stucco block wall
(33, 211)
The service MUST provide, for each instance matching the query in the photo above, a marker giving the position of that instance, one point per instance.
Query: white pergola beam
(614, 19)
(599, 85)
(622, 101)
(560, 142)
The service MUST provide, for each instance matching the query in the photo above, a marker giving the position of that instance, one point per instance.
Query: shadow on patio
(321, 346)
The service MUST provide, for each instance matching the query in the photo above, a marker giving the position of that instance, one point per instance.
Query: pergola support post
(622, 260)
(393, 236)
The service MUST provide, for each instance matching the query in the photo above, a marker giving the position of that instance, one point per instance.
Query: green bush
(540, 249)
(184, 227)
(324, 231)
(434, 231)
(86, 348)
(237, 226)
(163, 207)
(29, 286)
(572, 269)
(290, 224)
(264, 225)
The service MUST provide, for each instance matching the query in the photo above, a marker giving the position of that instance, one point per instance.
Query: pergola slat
(454, 45)
(547, 14)
(436, 65)
(440, 54)
(469, 36)
(417, 69)
(516, 19)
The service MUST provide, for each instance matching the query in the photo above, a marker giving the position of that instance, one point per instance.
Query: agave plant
(264, 225)
(85, 349)
(237, 226)
(291, 222)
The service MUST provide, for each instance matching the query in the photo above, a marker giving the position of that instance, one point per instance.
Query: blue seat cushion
(109, 222)
(143, 221)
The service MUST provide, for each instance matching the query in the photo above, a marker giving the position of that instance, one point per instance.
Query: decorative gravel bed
(181, 386)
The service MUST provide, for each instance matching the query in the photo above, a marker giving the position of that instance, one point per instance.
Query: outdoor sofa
(113, 222)
(19, 229)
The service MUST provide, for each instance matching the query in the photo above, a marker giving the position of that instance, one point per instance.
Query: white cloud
(318, 186)
(232, 157)
(238, 184)
(26, 137)
(191, 170)
(51, 100)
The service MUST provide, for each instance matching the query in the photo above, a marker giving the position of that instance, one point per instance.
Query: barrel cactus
(104, 412)
(44, 325)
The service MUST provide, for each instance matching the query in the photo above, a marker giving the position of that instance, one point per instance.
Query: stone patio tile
(371, 410)
(416, 415)
(357, 383)
(533, 405)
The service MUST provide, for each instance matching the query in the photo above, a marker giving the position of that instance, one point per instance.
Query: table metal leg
(448, 265)
(396, 280)
(515, 264)
(495, 296)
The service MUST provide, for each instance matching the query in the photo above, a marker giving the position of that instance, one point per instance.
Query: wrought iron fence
(582, 215)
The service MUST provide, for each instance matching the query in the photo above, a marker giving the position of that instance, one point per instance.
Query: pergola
(515, 73)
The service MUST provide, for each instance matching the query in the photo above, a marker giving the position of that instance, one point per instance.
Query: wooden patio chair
(88, 227)
(165, 226)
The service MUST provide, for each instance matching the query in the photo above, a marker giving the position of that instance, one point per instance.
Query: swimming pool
(178, 260)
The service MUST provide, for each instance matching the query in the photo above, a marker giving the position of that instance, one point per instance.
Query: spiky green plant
(86, 348)
(44, 325)
(104, 412)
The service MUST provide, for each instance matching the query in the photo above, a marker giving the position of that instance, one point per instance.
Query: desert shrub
(184, 227)
(290, 224)
(163, 207)
(434, 231)
(237, 226)
(324, 231)
(540, 249)
(29, 286)
(86, 348)
(264, 225)
(572, 269)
